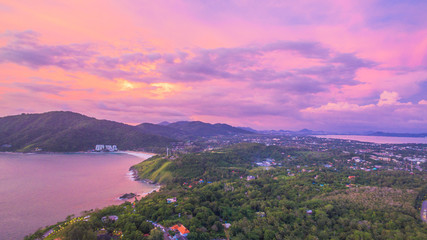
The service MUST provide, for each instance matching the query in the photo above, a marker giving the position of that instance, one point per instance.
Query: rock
(127, 196)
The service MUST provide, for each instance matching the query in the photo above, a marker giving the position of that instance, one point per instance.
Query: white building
(110, 148)
(99, 147)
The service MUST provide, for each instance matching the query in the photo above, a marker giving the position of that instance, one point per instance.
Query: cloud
(390, 98)
(263, 63)
(386, 99)
(339, 106)
(43, 88)
(422, 102)
(25, 49)
(250, 63)
(407, 15)
(306, 49)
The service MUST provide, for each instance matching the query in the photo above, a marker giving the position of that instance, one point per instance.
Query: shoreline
(135, 177)
(86, 165)
(391, 140)
(139, 154)
(144, 155)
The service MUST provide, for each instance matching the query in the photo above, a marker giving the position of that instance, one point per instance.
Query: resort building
(181, 229)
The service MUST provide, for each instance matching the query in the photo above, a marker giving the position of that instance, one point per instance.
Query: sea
(378, 139)
(37, 190)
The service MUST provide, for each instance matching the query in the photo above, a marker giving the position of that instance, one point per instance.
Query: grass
(155, 169)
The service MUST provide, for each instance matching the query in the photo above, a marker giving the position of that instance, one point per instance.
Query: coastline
(56, 174)
(143, 155)
(134, 173)
(133, 153)
(376, 139)
(136, 177)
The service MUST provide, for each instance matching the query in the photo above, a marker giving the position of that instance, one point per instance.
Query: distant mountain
(248, 129)
(162, 130)
(287, 132)
(164, 123)
(69, 132)
(189, 129)
(201, 129)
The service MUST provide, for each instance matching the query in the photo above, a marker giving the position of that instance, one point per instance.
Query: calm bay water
(377, 139)
(37, 190)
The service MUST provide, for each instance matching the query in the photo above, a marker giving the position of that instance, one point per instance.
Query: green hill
(69, 132)
(211, 166)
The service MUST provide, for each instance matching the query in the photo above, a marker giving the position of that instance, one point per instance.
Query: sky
(330, 65)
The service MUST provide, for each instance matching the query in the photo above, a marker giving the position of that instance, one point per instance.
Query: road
(424, 211)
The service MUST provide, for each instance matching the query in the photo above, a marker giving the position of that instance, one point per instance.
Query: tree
(156, 234)
(145, 227)
(79, 231)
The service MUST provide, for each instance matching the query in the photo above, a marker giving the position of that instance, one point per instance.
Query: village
(354, 155)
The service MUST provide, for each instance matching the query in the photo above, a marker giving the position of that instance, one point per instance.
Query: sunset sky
(323, 65)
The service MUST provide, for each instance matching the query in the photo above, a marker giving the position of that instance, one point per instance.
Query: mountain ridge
(64, 131)
(191, 129)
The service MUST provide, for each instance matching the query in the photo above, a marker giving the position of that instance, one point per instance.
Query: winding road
(424, 211)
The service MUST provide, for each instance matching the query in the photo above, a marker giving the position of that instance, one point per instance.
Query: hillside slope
(211, 166)
(69, 132)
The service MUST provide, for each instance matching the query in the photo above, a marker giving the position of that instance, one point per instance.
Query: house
(181, 229)
(351, 177)
(99, 147)
(171, 200)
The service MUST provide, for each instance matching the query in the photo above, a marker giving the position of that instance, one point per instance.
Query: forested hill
(230, 162)
(68, 132)
(186, 129)
(161, 130)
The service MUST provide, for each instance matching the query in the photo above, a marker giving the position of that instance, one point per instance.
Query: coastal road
(424, 211)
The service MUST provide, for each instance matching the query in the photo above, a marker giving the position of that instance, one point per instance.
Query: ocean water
(377, 139)
(37, 190)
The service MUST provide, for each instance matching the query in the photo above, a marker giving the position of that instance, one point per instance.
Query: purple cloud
(234, 64)
(24, 49)
(306, 49)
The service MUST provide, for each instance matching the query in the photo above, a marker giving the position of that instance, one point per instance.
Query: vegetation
(289, 201)
(70, 132)
(189, 130)
(228, 163)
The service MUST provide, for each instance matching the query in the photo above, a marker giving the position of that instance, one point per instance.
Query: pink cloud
(270, 64)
